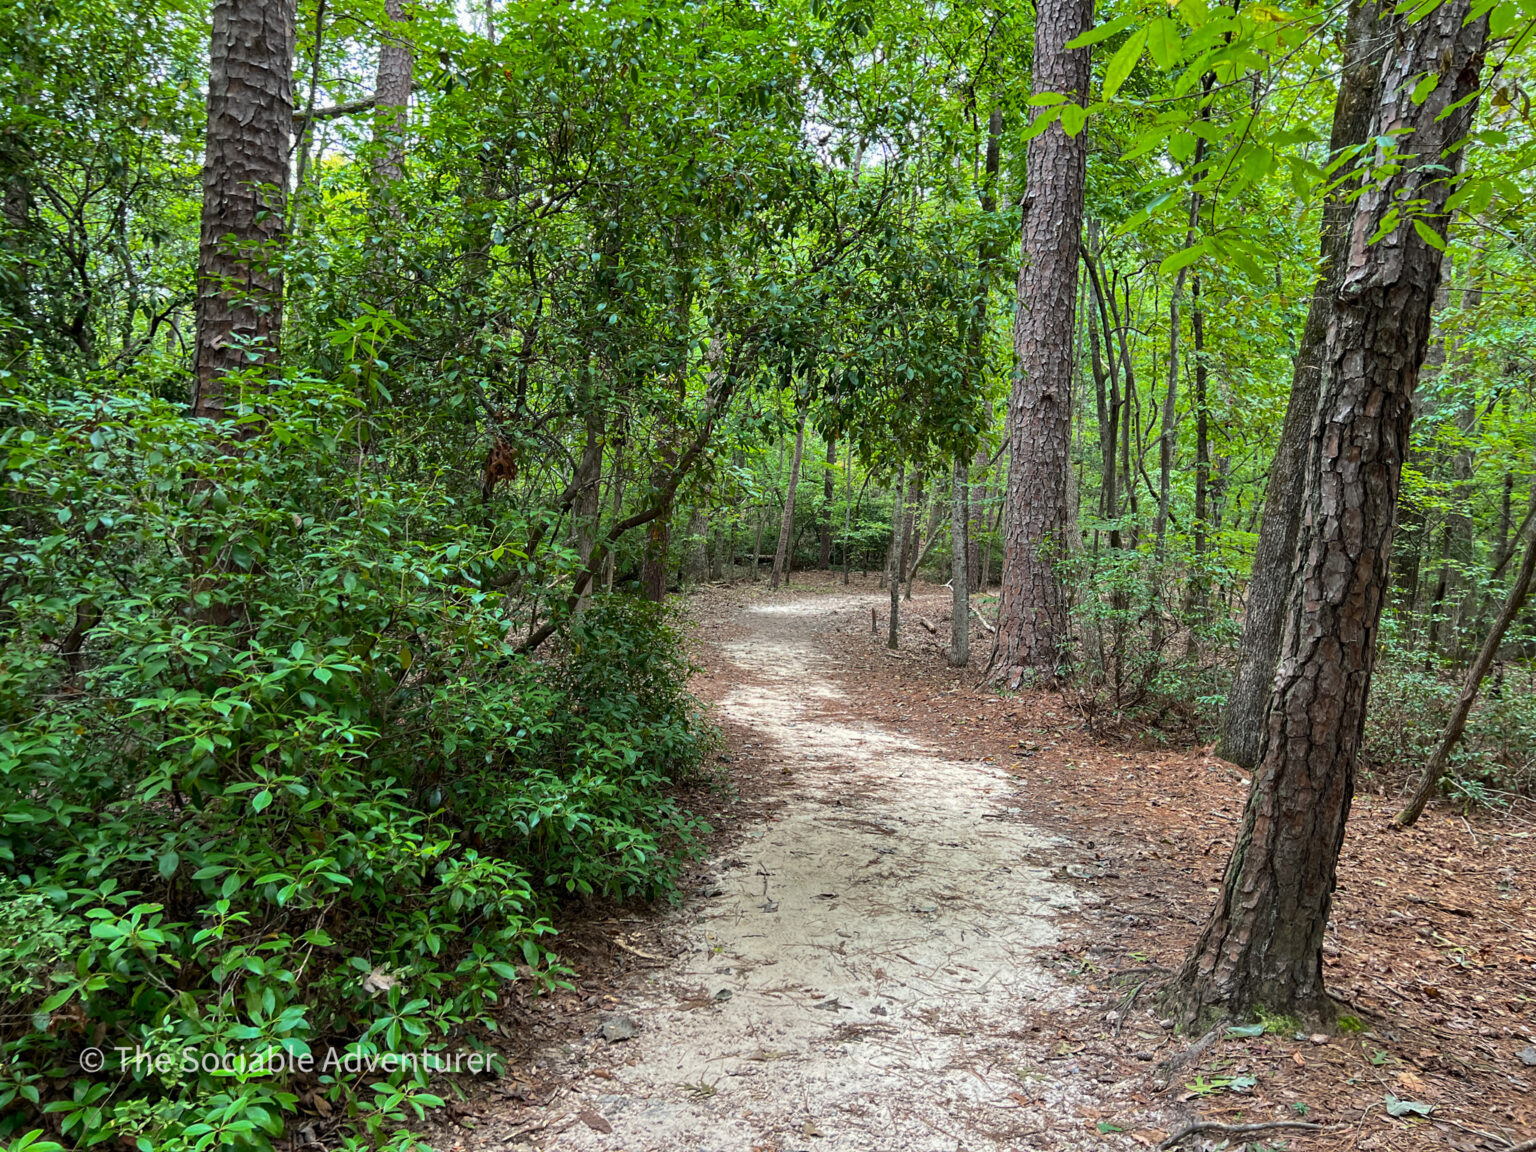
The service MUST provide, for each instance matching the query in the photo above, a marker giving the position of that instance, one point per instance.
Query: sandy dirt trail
(861, 971)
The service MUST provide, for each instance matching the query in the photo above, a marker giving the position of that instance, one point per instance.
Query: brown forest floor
(1432, 947)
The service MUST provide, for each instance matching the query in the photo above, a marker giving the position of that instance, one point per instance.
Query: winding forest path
(934, 917)
(860, 968)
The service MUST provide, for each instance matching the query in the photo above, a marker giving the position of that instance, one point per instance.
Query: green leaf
(1429, 235)
(1040, 124)
(167, 864)
(1073, 117)
(1424, 87)
(1181, 259)
(1245, 1031)
(1103, 31)
(1123, 62)
(1164, 44)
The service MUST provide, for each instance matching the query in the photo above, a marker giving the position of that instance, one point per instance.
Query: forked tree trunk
(1032, 616)
(1242, 719)
(781, 556)
(245, 174)
(1457, 724)
(1262, 945)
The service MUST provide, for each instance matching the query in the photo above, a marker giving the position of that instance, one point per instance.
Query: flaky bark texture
(1242, 721)
(392, 95)
(1032, 615)
(1263, 942)
(245, 174)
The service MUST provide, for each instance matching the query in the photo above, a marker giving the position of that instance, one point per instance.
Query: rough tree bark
(1242, 719)
(1032, 615)
(245, 174)
(391, 96)
(1262, 945)
(781, 557)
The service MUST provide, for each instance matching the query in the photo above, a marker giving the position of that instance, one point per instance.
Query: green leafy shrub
(1146, 657)
(274, 779)
(1409, 708)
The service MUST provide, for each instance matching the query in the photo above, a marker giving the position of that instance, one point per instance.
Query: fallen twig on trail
(1163, 1076)
(617, 943)
(1240, 1129)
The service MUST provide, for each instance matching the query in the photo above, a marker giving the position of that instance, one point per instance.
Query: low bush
(274, 779)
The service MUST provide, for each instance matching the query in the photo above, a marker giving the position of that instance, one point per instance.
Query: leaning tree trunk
(1032, 615)
(245, 173)
(1242, 719)
(1458, 721)
(781, 556)
(1262, 945)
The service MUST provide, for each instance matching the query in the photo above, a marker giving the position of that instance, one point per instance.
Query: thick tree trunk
(781, 556)
(1242, 719)
(1263, 942)
(653, 565)
(1032, 617)
(1457, 724)
(245, 175)
(959, 578)
(392, 95)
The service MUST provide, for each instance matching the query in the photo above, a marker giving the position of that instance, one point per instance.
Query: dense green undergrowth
(274, 779)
